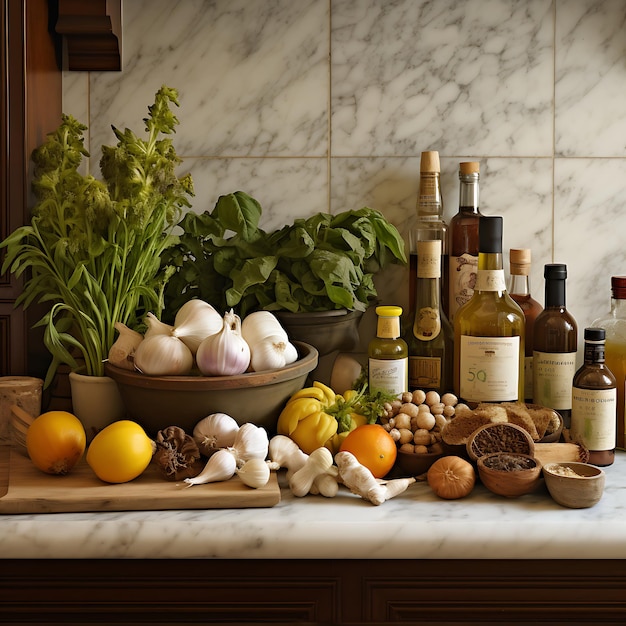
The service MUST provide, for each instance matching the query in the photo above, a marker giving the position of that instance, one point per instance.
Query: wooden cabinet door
(30, 107)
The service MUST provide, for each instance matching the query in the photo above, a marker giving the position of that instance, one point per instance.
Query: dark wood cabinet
(312, 592)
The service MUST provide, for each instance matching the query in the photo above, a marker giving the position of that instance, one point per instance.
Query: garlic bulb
(271, 353)
(163, 355)
(225, 353)
(215, 431)
(156, 326)
(259, 325)
(195, 321)
(122, 352)
(254, 473)
(251, 442)
(221, 466)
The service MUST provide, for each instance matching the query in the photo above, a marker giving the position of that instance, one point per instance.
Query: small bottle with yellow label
(388, 354)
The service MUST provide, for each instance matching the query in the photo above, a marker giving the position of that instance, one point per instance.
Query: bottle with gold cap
(430, 223)
(388, 354)
(519, 290)
(463, 248)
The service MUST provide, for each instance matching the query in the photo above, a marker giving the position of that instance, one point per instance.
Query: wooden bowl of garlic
(157, 402)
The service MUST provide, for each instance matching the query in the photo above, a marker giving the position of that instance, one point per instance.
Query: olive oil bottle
(489, 330)
(388, 354)
(429, 337)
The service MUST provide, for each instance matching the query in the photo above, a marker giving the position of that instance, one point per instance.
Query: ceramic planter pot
(96, 402)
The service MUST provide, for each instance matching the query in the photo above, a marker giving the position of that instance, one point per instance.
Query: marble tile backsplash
(326, 105)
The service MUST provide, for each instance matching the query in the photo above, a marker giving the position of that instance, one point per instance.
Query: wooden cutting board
(31, 491)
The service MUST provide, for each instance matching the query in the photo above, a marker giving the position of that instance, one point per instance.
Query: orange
(373, 447)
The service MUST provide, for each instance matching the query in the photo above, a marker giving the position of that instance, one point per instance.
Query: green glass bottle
(388, 354)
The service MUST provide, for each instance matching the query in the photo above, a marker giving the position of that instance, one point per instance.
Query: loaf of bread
(537, 421)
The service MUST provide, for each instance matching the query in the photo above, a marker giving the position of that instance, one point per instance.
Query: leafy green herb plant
(92, 249)
(321, 263)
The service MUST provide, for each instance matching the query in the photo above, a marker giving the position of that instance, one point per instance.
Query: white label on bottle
(553, 376)
(462, 279)
(593, 418)
(389, 375)
(490, 280)
(489, 368)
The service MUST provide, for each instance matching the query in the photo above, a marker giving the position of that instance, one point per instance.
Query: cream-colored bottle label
(489, 368)
(593, 418)
(389, 375)
(462, 279)
(490, 280)
(427, 325)
(553, 376)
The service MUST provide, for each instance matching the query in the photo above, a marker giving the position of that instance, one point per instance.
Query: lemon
(120, 452)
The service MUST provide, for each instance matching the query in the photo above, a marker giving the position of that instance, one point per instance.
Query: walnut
(177, 455)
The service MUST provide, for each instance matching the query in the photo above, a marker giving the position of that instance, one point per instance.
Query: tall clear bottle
(555, 342)
(463, 239)
(614, 324)
(388, 354)
(429, 337)
(519, 288)
(594, 401)
(489, 330)
(430, 223)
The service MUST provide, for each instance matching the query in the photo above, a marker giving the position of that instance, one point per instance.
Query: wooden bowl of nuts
(509, 474)
(415, 422)
(574, 485)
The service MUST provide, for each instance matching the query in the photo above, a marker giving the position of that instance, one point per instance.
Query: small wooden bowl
(500, 437)
(580, 490)
(554, 435)
(413, 464)
(511, 483)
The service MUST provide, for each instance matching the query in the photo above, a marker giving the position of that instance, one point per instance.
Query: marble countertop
(414, 525)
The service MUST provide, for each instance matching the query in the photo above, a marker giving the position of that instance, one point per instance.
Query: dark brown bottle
(594, 402)
(519, 290)
(555, 342)
(463, 238)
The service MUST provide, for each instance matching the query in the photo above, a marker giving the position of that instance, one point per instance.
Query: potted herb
(323, 265)
(92, 249)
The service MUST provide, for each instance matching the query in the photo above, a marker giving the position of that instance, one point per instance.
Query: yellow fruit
(55, 442)
(120, 452)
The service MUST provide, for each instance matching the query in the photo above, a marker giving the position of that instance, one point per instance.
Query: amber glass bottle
(388, 354)
(489, 330)
(555, 342)
(429, 337)
(519, 288)
(430, 224)
(614, 324)
(594, 400)
(463, 238)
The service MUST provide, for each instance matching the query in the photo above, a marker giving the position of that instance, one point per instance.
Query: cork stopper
(519, 261)
(469, 167)
(430, 162)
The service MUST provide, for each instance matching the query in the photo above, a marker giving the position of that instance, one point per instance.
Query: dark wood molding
(92, 32)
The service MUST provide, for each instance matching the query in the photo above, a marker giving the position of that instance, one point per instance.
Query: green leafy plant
(320, 263)
(92, 249)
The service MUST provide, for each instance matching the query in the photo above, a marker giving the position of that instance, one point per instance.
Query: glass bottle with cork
(594, 401)
(555, 343)
(463, 237)
(430, 223)
(489, 330)
(429, 337)
(388, 354)
(614, 324)
(519, 289)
